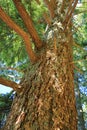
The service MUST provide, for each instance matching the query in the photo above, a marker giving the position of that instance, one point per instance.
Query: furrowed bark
(19, 31)
(28, 22)
(10, 84)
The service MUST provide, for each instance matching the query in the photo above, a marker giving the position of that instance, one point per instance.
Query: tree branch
(47, 18)
(38, 1)
(28, 22)
(10, 84)
(51, 6)
(18, 30)
(62, 7)
(70, 12)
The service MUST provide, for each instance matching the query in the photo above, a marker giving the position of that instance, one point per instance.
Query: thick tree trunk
(47, 100)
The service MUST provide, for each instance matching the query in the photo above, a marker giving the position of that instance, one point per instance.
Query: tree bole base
(47, 100)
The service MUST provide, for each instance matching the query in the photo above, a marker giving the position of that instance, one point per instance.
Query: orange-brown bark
(53, 3)
(20, 31)
(38, 2)
(50, 8)
(70, 12)
(28, 22)
(47, 18)
(10, 84)
(62, 7)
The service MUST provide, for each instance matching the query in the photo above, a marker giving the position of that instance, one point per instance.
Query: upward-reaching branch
(23, 34)
(10, 84)
(47, 18)
(28, 22)
(51, 6)
(62, 7)
(70, 12)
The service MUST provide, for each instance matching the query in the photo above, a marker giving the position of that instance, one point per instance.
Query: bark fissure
(48, 102)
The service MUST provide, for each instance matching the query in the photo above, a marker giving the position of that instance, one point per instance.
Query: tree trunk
(47, 100)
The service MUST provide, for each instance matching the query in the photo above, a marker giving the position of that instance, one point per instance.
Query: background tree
(5, 105)
(80, 53)
(81, 122)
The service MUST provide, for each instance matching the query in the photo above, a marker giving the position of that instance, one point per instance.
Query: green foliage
(80, 36)
(36, 12)
(80, 52)
(12, 49)
(5, 105)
